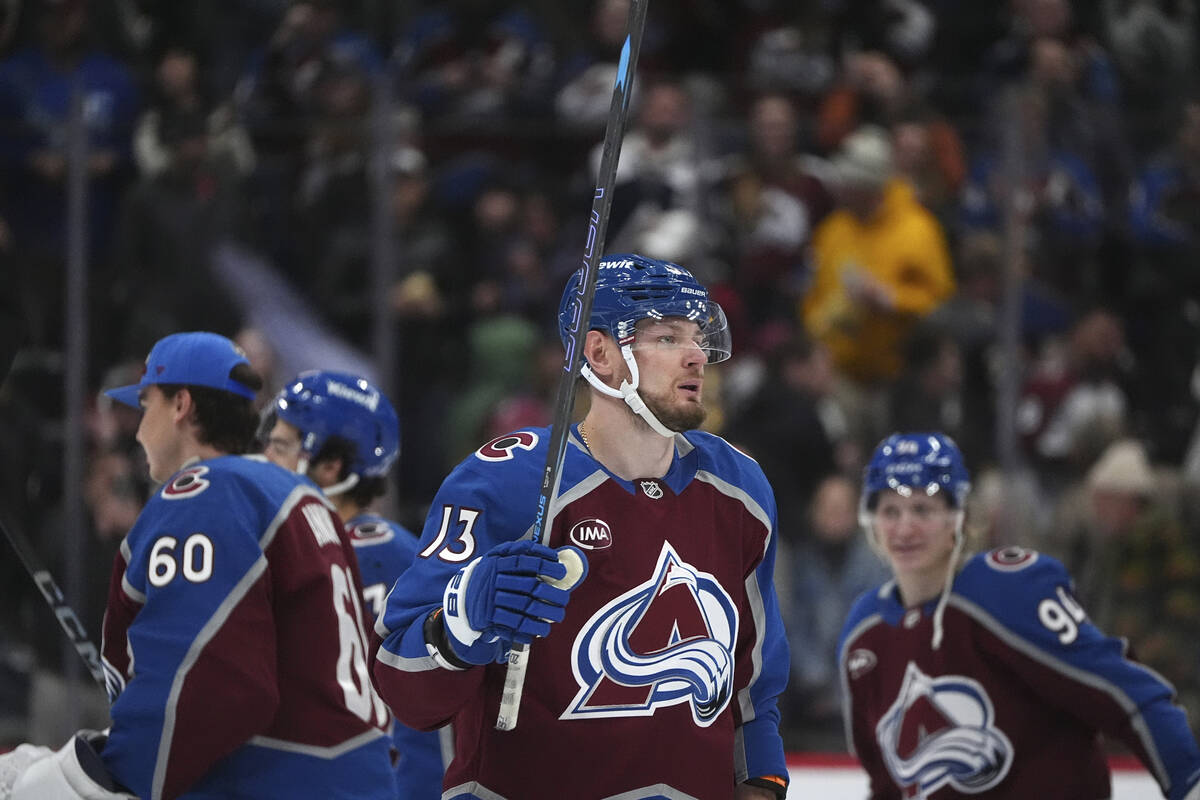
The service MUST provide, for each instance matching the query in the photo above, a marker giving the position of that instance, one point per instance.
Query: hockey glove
(511, 594)
(75, 772)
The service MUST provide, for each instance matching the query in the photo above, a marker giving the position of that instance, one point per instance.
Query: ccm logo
(591, 534)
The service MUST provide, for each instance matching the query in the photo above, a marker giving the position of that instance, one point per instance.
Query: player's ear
(182, 404)
(326, 472)
(602, 353)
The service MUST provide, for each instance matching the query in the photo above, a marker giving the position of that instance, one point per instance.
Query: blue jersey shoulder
(384, 548)
(245, 492)
(1005, 576)
(505, 465)
(372, 530)
(718, 457)
(505, 476)
(1028, 593)
(877, 600)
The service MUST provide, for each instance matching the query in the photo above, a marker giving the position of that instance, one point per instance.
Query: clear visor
(710, 335)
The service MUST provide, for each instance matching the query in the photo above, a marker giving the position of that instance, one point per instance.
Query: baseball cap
(192, 359)
(1124, 467)
(864, 158)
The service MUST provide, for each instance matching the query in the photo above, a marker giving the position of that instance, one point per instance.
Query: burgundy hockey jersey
(1012, 704)
(662, 679)
(234, 645)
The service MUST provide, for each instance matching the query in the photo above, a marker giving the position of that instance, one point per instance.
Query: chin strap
(341, 486)
(951, 568)
(334, 489)
(628, 393)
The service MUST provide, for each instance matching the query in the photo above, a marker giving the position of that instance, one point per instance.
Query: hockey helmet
(929, 463)
(630, 288)
(322, 404)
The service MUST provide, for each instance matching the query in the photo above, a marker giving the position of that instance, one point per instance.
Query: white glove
(13, 765)
(75, 772)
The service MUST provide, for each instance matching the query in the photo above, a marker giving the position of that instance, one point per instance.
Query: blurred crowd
(981, 217)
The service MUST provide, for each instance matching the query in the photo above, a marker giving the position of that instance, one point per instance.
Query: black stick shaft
(510, 701)
(63, 612)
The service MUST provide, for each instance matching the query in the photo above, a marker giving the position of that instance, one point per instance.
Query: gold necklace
(583, 435)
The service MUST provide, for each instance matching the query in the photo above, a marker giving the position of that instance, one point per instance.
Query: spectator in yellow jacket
(880, 263)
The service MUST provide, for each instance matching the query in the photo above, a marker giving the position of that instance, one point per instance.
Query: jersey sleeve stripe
(326, 753)
(285, 509)
(133, 594)
(753, 507)
(422, 664)
(655, 791)
(130, 590)
(561, 501)
(201, 641)
(847, 706)
(755, 601)
(1126, 703)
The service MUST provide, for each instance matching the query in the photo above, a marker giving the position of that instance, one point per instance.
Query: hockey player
(659, 678)
(342, 432)
(986, 678)
(233, 638)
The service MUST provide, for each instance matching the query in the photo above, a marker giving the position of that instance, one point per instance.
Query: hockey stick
(518, 655)
(62, 611)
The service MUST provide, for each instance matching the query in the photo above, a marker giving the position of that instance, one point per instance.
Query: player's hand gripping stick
(511, 594)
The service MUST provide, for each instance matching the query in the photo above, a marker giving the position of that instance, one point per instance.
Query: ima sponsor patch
(591, 534)
(860, 662)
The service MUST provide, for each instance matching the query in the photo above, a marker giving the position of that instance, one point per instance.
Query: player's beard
(676, 416)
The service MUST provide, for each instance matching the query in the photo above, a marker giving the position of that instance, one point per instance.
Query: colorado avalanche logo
(668, 641)
(187, 483)
(503, 448)
(371, 532)
(1011, 559)
(942, 731)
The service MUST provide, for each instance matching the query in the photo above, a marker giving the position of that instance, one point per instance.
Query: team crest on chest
(652, 489)
(942, 731)
(667, 641)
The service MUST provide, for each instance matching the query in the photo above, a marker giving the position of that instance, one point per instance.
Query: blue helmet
(927, 462)
(322, 404)
(630, 288)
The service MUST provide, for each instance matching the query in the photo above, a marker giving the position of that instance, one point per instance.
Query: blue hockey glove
(511, 594)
